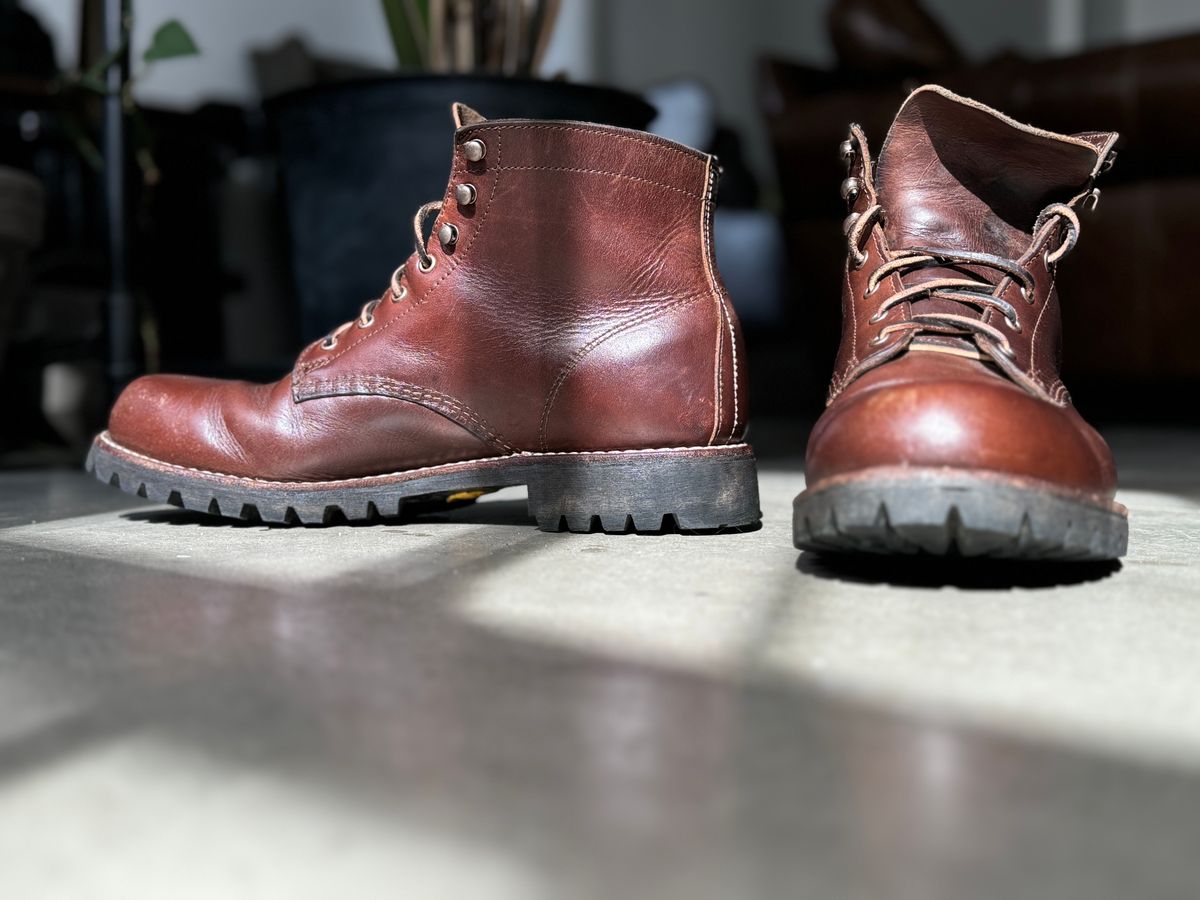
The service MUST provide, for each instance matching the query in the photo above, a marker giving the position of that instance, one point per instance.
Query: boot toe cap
(175, 419)
(982, 425)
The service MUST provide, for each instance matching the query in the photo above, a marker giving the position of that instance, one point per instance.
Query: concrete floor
(461, 706)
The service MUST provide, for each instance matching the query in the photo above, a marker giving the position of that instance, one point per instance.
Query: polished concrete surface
(460, 706)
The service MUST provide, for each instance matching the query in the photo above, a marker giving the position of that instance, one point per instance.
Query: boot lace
(398, 290)
(971, 290)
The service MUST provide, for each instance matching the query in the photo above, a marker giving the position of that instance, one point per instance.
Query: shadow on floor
(494, 512)
(970, 574)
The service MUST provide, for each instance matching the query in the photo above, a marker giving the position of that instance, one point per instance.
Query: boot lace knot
(975, 291)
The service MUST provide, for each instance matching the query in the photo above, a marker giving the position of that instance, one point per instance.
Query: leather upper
(579, 309)
(910, 387)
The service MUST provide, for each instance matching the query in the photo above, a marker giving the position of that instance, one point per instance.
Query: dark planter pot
(359, 158)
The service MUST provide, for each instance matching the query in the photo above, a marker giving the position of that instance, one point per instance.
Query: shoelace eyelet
(367, 322)
(475, 150)
(465, 194)
(432, 264)
(847, 149)
(329, 343)
(397, 296)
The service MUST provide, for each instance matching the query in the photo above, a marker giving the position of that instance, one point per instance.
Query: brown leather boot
(948, 429)
(564, 328)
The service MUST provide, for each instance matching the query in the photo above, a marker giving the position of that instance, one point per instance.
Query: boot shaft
(577, 300)
(961, 194)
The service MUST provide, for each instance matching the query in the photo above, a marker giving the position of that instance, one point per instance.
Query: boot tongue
(953, 173)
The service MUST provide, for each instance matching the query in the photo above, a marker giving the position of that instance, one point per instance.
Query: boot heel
(697, 489)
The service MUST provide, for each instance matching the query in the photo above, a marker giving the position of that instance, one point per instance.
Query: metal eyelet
(475, 150)
(432, 264)
(465, 194)
(846, 150)
(448, 236)
(850, 188)
(848, 222)
(398, 296)
(877, 340)
(1028, 297)
(871, 290)
(329, 343)
(859, 260)
(367, 322)
(877, 318)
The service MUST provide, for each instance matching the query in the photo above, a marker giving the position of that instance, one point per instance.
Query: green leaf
(170, 41)
(408, 24)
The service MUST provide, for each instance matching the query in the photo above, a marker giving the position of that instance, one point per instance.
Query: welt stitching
(521, 454)
(450, 269)
(578, 356)
(580, 171)
(407, 391)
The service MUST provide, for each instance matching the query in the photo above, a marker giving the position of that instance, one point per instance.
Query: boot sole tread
(688, 489)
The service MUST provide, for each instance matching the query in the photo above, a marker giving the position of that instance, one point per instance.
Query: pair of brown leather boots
(565, 328)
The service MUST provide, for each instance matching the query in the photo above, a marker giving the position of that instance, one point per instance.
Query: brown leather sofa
(1131, 301)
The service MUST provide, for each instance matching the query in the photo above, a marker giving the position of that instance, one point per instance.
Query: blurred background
(204, 187)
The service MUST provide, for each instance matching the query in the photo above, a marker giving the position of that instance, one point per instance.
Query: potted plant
(358, 157)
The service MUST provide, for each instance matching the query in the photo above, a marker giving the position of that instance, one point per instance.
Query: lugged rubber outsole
(644, 491)
(954, 512)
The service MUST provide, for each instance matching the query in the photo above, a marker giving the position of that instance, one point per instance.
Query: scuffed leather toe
(177, 419)
(929, 412)
(259, 431)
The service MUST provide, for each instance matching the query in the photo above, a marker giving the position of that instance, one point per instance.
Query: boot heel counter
(670, 374)
(652, 381)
